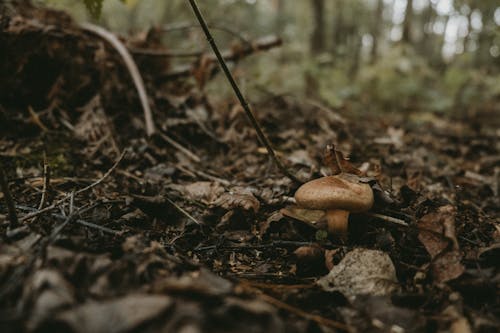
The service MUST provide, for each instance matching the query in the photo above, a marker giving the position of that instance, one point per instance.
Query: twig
(187, 25)
(182, 211)
(14, 222)
(16, 278)
(260, 44)
(273, 244)
(165, 53)
(97, 182)
(46, 182)
(79, 221)
(244, 104)
(132, 68)
(179, 147)
(386, 218)
(294, 310)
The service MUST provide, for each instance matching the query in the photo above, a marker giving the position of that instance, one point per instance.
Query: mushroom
(338, 195)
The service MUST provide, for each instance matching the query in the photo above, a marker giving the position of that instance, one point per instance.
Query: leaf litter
(193, 229)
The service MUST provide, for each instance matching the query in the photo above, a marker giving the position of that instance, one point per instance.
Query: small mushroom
(338, 195)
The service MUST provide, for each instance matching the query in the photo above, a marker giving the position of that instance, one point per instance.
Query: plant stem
(244, 104)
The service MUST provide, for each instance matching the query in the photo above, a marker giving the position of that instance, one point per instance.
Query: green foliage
(94, 7)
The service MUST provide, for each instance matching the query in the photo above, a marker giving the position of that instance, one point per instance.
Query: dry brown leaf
(204, 191)
(118, 315)
(308, 253)
(330, 158)
(238, 198)
(305, 215)
(437, 234)
(362, 271)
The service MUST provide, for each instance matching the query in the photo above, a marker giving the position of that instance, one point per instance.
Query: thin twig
(260, 44)
(46, 182)
(79, 221)
(386, 218)
(182, 211)
(14, 222)
(187, 25)
(166, 53)
(294, 310)
(58, 202)
(246, 107)
(132, 68)
(181, 148)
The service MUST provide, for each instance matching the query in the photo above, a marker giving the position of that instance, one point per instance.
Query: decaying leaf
(311, 216)
(395, 137)
(362, 271)
(335, 160)
(437, 234)
(238, 198)
(114, 316)
(48, 292)
(203, 191)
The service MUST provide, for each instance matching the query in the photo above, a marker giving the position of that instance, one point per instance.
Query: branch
(132, 68)
(244, 104)
(261, 44)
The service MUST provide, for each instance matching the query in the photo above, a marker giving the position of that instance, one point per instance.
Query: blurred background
(439, 56)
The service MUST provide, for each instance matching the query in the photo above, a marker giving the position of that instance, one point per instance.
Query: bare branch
(132, 68)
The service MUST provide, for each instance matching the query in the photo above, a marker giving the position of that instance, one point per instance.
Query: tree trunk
(338, 25)
(280, 16)
(355, 53)
(376, 30)
(318, 35)
(407, 22)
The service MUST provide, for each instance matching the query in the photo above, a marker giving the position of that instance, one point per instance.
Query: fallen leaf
(238, 198)
(437, 234)
(335, 160)
(362, 271)
(305, 215)
(114, 316)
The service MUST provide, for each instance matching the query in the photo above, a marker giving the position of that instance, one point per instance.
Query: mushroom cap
(335, 192)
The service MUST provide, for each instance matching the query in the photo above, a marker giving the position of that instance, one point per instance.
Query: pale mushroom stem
(337, 220)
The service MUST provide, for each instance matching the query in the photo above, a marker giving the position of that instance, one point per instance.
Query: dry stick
(14, 222)
(46, 182)
(185, 26)
(55, 204)
(387, 218)
(132, 68)
(294, 310)
(246, 107)
(182, 211)
(79, 221)
(181, 148)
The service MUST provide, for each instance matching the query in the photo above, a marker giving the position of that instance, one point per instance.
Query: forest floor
(195, 230)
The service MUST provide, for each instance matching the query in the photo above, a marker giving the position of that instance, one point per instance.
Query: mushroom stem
(337, 220)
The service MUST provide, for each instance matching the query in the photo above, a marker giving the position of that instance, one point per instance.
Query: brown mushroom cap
(335, 192)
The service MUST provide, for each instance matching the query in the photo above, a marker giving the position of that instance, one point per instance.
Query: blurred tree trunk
(407, 21)
(376, 30)
(356, 44)
(485, 37)
(318, 35)
(429, 16)
(338, 24)
(469, 31)
(280, 16)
